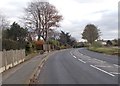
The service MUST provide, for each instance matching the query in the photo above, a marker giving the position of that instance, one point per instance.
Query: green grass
(106, 50)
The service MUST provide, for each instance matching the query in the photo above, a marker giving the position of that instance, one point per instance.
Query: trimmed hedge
(9, 44)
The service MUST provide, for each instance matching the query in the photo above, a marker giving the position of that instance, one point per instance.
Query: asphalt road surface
(79, 66)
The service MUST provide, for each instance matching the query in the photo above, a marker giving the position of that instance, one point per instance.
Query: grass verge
(106, 50)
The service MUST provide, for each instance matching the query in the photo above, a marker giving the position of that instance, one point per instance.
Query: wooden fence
(11, 58)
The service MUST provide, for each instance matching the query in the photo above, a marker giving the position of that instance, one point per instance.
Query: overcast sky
(76, 13)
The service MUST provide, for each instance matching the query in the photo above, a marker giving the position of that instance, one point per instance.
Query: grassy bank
(106, 50)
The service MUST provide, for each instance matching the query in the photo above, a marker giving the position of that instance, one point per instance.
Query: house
(103, 42)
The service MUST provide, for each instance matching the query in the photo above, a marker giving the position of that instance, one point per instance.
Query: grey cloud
(108, 25)
(15, 8)
(89, 1)
(102, 11)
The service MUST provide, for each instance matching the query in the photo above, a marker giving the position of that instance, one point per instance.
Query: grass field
(106, 50)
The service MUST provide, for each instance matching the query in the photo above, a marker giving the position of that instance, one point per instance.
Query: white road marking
(102, 66)
(81, 60)
(74, 56)
(97, 66)
(99, 60)
(78, 59)
(116, 65)
(102, 70)
(115, 73)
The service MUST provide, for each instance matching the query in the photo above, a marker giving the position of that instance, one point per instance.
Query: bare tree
(42, 16)
(53, 34)
(3, 22)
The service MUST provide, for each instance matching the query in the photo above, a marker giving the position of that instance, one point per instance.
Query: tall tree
(91, 33)
(72, 41)
(66, 39)
(14, 37)
(42, 16)
(109, 43)
(4, 24)
(53, 34)
(16, 32)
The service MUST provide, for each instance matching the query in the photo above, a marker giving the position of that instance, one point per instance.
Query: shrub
(39, 44)
(96, 44)
(62, 47)
(8, 44)
(57, 47)
(28, 48)
(41, 51)
(109, 43)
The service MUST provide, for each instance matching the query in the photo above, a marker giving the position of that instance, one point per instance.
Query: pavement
(79, 66)
(22, 72)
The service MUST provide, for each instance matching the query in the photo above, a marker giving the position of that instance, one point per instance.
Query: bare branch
(43, 16)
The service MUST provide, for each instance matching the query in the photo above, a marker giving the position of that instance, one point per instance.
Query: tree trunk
(39, 37)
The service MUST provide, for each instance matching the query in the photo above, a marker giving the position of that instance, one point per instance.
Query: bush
(8, 44)
(109, 43)
(39, 44)
(41, 51)
(62, 47)
(96, 44)
(28, 48)
(57, 47)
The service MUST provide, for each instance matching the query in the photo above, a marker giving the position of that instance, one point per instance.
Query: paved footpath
(22, 73)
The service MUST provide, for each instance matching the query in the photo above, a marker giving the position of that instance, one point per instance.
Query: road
(109, 58)
(79, 66)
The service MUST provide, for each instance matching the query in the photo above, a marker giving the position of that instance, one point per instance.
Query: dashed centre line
(74, 56)
(78, 59)
(115, 73)
(97, 66)
(102, 66)
(116, 65)
(81, 60)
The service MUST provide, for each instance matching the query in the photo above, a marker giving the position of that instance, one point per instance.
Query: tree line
(41, 19)
(17, 37)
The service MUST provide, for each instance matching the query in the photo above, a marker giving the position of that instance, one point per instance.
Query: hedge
(9, 44)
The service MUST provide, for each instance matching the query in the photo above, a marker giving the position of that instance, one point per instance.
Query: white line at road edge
(74, 56)
(116, 65)
(102, 70)
(115, 73)
(81, 60)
